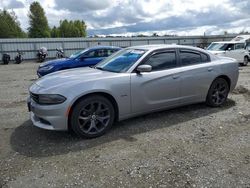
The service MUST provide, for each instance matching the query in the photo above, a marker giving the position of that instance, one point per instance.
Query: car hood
(72, 77)
(56, 62)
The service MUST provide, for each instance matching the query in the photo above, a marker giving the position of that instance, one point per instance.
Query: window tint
(205, 58)
(239, 46)
(190, 58)
(121, 61)
(90, 54)
(163, 60)
(230, 47)
(97, 53)
(110, 52)
(101, 53)
(220, 47)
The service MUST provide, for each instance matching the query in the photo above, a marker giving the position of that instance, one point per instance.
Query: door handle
(210, 69)
(176, 76)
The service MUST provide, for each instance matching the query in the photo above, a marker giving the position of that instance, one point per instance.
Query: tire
(245, 61)
(17, 60)
(217, 93)
(92, 116)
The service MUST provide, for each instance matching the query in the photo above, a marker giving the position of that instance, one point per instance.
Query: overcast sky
(181, 17)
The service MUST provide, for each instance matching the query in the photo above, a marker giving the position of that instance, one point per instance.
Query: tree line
(38, 25)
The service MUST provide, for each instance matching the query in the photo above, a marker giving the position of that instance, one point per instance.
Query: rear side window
(111, 51)
(239, 46)
(190, 58)
(162, 60)
(98, 53)
(205, 58)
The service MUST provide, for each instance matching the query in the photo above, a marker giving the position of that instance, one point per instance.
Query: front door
(159, 88)
(237, 52)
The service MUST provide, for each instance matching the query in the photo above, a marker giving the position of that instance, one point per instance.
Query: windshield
(77, 54)
(121, 61)
(220, 46)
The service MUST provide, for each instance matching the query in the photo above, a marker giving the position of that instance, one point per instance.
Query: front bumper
(50, 117)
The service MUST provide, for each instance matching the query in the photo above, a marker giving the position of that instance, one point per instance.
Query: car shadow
(34, 142)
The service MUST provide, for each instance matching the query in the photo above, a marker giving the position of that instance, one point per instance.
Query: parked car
(134, 81)
(84, 58)
(236, 48)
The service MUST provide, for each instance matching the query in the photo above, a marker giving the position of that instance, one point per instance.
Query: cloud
(82, 5)
(14, 4)
(191, 19)
(144, 16)
(242, 5)
(148, 15)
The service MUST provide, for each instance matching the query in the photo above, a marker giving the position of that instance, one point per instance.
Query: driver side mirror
(144, 68)
(229, 49)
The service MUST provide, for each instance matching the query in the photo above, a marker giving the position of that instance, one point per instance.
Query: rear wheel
(218, 92)
(92, 116)
(245, 61)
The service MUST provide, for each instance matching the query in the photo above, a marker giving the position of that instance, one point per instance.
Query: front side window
(162, 60)
(77, 54)
(190, 58)
(90, 54)
(96, 53)
(248, 46)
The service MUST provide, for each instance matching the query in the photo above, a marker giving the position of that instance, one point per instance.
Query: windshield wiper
(99, 68)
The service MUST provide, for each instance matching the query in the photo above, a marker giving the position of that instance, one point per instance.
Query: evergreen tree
(9, 25)
(39, 27)
(54, 33)
(75, 28)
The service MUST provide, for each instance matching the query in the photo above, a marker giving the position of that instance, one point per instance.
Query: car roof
(228, 42)
(103, 47)
(165, 46)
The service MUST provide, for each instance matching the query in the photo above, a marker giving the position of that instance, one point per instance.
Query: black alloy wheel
(218, 92)
(92, 116)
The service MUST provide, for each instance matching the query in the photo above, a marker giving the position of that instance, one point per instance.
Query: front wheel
(92, 117)
(217, 93)
(245, 61)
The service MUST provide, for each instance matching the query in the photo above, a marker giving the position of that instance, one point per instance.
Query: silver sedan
(134, 81)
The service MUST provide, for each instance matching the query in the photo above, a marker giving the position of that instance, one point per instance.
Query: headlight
(50, 99)
(46, 68)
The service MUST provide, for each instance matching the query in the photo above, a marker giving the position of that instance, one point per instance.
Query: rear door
(197, 74)
(159, 88)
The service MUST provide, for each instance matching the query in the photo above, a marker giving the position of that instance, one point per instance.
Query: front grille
(34, 97)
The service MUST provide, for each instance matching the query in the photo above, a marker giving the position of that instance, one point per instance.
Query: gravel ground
(192, 146)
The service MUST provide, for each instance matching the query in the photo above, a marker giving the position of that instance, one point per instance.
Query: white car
(233, 49)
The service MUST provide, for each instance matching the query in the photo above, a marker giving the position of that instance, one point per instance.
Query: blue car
(84, 58)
